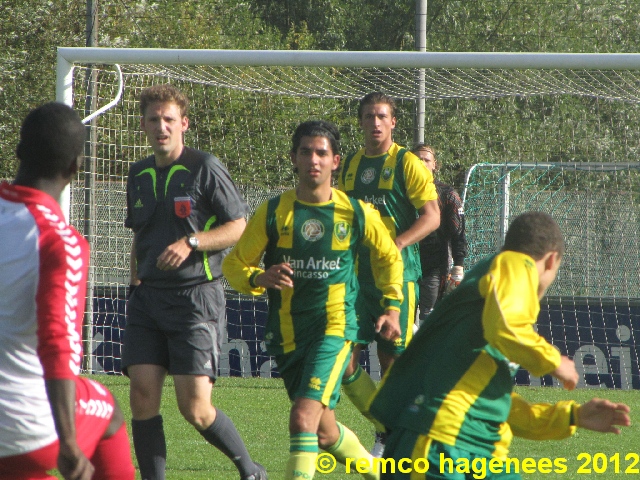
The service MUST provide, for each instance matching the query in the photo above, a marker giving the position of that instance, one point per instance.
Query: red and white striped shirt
(43, 272)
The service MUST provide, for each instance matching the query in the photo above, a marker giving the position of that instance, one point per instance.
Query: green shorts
(315, 370)
(368, 309)
(406, 450)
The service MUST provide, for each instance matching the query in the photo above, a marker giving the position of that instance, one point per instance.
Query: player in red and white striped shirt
(49, 416)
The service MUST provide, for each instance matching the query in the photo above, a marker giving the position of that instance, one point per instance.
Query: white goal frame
(68, 57)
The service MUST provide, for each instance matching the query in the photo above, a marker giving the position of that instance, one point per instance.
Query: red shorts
(94, 409)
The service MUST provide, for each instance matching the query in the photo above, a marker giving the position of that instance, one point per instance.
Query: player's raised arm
(566, 373)
(422, 194)
(61, 294)
(387, 267)
(544, 421)
(529, 262)
(508, 316)
(241, 266)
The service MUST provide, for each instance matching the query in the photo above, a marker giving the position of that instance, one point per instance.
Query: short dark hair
(317, 128)
(376, 97)
(164, 93)
(534, 233)
(52, 138)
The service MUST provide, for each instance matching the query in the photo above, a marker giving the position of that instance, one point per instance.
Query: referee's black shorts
(180, 329)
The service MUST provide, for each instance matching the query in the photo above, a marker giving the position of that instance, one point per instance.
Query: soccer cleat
(378, 446)
(261, 474)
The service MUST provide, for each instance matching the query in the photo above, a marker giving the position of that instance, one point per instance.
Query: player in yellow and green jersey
(309, 238)
(401, 188)
(448, 398)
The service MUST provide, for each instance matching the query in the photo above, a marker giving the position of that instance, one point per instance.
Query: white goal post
(550, 131)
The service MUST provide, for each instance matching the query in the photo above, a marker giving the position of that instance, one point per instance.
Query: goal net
(512, 133)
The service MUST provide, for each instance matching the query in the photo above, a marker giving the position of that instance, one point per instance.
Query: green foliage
(228, 24)
(344, 24)
(28, 38)
(462, 131)
(523, 26)
(460, 25)
(30, 35)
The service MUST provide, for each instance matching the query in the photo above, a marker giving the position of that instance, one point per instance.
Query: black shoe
(261, 473)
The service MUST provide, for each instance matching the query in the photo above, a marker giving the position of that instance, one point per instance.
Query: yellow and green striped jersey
(455, 379)
(397, 184)
(319, 241)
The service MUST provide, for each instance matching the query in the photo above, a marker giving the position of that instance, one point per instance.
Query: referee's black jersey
(195, 193)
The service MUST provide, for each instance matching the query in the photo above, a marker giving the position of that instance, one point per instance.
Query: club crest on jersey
(312, 230)
(387, 172)
(341, 230)
(182, 206)
(368, 175)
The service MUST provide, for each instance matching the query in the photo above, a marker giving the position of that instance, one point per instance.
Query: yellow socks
(301, 465)
(349, 449)
(359, 387)
(303, 451)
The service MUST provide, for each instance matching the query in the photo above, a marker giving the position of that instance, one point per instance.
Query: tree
(27, 66)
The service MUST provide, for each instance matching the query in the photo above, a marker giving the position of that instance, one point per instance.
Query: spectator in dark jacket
(442, 253)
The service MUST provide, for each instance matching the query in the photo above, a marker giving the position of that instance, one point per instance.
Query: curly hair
(164, 93)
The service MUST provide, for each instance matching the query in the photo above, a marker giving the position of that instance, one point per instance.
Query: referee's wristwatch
(193, 241)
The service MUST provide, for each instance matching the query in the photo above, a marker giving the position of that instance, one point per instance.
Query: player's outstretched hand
(73, 464)
(276, 276)
(566, 373)
(603, 416)
(388, 325)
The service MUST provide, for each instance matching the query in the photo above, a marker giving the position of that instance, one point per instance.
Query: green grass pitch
(260, 410)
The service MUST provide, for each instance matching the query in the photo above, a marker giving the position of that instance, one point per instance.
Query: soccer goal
(513, 132)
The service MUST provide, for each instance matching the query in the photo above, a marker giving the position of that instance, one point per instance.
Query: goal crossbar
(68, 56)
(363, 59)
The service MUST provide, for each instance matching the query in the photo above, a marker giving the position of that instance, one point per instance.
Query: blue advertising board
(601, 335)
(109, 317)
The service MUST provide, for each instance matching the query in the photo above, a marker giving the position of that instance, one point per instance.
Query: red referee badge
(182, 206)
